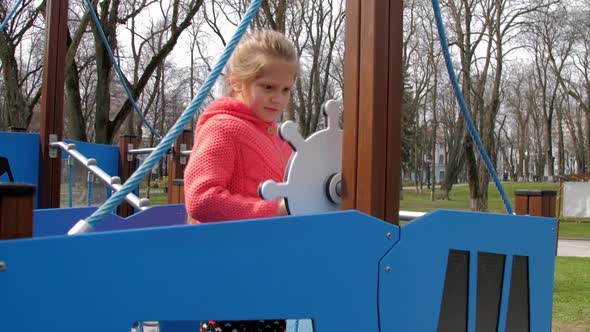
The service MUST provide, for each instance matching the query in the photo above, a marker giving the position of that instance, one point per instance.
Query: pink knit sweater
(234, 152)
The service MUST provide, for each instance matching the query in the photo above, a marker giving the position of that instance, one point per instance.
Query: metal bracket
(52, 150)
(129, 155)
(182, 157)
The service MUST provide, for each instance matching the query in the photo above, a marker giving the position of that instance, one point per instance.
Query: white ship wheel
(313, 175)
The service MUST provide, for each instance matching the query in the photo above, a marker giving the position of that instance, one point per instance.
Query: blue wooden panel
(107, 156)
(49, 222)
(22, 152)
(410, 295)
(322, 267)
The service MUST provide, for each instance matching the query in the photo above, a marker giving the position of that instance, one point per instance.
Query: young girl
(237, 146)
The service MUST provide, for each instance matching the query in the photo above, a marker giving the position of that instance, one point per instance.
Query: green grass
(459, 197)
(571, 296)
(574, 230)
(459, 200)
(159, 199)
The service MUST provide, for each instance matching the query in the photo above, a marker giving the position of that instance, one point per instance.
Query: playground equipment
(313, 175)
(447, 270)
(345, 270)
(114, 182)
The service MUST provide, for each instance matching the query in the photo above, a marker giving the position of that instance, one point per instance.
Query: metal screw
(389, 235)
(388, 269)
(2, 266)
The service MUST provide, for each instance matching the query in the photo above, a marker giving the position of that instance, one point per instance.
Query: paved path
(574, 248)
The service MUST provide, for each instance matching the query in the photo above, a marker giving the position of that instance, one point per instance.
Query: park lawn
(571, 294)
(159, 199)
(574, 230)
(459, 200)
(459, 197)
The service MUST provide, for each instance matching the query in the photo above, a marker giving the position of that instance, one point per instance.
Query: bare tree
(21, 45)
(487, 26)
(113, 13)
(576, 83)
(322, 23)
(520, 114)
(550, 47)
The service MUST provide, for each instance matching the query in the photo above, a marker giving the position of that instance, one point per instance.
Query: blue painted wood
(22, 152)
(51, 222)
(410, 295)
(107, 156)
(322, 267)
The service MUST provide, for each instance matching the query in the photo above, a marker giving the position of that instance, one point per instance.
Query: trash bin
(535, 202)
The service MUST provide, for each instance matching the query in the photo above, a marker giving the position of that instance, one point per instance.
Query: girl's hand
(282, 210)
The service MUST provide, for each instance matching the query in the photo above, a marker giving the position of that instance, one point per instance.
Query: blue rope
(70, 181)
(471, 126)
(89, 194)
(178, 127)
(118, 70)
(9, 16)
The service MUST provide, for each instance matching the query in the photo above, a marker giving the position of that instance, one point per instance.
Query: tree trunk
(434, 134)
(560, 144)
(586, 160)
(18, 114)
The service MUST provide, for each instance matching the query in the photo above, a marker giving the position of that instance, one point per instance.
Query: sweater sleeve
(207, 175)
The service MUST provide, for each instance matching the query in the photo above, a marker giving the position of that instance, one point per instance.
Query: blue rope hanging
(162, 148)
(89, 181)
(118, 70)
(70, 182)
(463, 106)
(9, 16)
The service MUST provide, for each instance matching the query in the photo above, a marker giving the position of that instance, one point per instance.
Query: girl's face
(268, 94)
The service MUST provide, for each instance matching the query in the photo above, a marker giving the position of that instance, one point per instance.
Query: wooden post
(372, 107)
(52, 102)
(126, 169)
(16, 210)
(178, 192)
(176, 165)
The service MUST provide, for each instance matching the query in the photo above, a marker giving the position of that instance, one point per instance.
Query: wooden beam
(372, 107)
(176, 166)
(52, 101)
(394, 112)
(126, 169)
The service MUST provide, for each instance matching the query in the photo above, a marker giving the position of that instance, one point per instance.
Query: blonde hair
(256, 50)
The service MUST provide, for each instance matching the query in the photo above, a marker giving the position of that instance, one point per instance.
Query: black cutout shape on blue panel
(5, 168)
